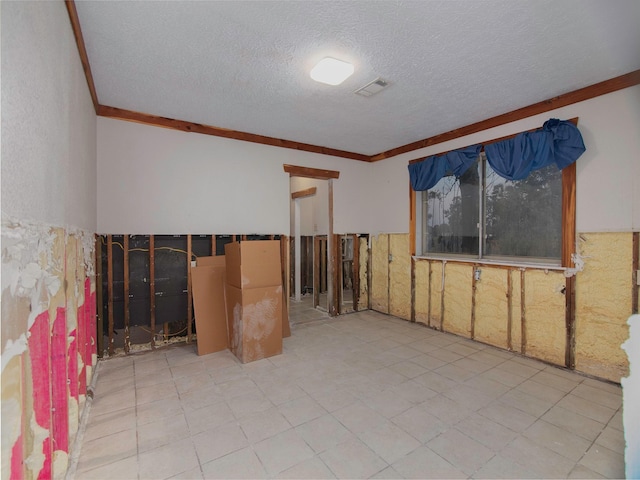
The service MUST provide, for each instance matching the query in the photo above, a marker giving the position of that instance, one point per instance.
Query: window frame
(568, 224)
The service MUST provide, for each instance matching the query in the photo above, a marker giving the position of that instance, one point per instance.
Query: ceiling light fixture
(331, 71)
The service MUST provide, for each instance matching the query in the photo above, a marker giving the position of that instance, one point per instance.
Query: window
(482, 215)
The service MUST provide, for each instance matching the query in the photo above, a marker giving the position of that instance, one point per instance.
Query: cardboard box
(215, 261)
(209, 305)
(253, 264)
(254, 321)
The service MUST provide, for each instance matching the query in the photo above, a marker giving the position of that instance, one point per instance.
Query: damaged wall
(48, 223)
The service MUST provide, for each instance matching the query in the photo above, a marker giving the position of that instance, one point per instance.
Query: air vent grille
(373, 87)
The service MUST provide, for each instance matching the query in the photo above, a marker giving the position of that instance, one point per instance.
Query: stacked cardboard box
(208, 277)
(254, 299)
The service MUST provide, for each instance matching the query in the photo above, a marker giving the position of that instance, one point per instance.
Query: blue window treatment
(559, 142)
(425, 174)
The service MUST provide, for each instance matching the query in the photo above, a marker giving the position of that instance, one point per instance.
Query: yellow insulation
(422, 291)
(492, 306)
(380, 273)
(436, 292)
(457, 298)
(603, 303)
(516, 330)
(545, 316)
(400, 276)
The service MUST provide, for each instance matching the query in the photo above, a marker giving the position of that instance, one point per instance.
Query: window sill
(490, 262)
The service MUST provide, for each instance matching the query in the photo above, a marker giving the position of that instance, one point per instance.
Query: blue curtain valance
(559, 142)
(425, 174)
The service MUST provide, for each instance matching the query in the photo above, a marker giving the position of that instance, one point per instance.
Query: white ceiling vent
(372, 88)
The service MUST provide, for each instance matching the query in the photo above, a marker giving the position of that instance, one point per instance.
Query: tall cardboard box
(208, 277)
(253, 293)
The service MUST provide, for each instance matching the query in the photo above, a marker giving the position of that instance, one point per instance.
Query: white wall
(161, 181)
(48, 120)
(608, 173)
(314, 210)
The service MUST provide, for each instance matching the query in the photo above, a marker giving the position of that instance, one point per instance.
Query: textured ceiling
(244, 65)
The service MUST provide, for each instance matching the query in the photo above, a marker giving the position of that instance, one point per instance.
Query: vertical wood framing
(413, 289)
(189, 298)
(369, 272)
(125, 248)
(213, 246)
(336, 279)
(110, 290)
(99, 311)
(331, 254)
(429, 294)
(285, 259)
(568, 214)
(444, 264)
(523, 319)
(356, 272)
(634, 272)
(412, 221)
(570, 346)
(509, 310)
(473, 302)
(316, 271)
(389, 260)
(152, 289)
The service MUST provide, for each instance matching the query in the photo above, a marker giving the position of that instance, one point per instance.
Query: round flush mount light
(331, 71)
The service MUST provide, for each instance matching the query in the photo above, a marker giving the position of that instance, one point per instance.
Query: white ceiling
(244, 65)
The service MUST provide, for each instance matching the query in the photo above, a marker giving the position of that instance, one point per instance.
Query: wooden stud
(369, 272)
(127, 317)
(509, 310)
(356, 272)
(332, 256)
(306, 172)
(389, 260)
(635, 266)
(99, 294)
(568, 214)
(337, 273)
(189, 298)
(308, 192)
(412, 221)
(110, 290)
(213, 246)
(152, 289)
(570, 322)
(523, 318)
(444, 264)
(473, 302)
(317, 253)
(413, 289)
(429, 294)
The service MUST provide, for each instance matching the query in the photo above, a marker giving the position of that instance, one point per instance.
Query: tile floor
(364, 395)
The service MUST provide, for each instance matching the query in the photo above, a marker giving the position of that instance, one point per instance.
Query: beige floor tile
(357, 417)
(428, 362)
(162, 432)
(109, 423)
(487, 357)
(611, 438)
(606, 462)
(242, 464)
(156, 411)
(529, 404)
(589, 409)
(282, 451)
(507, 416)
(420, 424)
(263, 425)
(468, 397)
(559, 382)
(461, 451)
(301, 410)
(389, 442)
(462, 349)
(335, 399)
(600, 394)
(446, 410)
(543, 392)
(435, 381)
(582, 472)
(503, 377)
(387, 402)
(510, 366)
(471, 365)
(408, 368)
(557, 440)
(535, 457)
(488, 387)
(220, 441)
(108, 449)
(125, 469)
(501, 467)
(187, 383)
(446, 355)
(116, 399)
(312, 468)
(193, 474)
(425, 463)
(573, 422)
(388, 473)
(168, 461)
(484, 430)
(413, 392)
(155, 392)
(209, 417)
(455, 373)
(352, 459)
(323, 433)
(249, 404)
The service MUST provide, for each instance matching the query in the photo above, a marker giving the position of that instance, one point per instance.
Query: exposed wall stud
(523, 322)
(152, 288)
(509, 310)
(473, 302)
(317, 254)
(189, 298)
(125, 249)
(429, 294)
(99, 309)
(444, 264)
(570, 322)
(635, 266)
(356, 272)
(110, 290)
